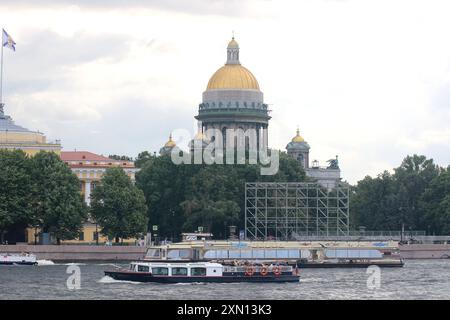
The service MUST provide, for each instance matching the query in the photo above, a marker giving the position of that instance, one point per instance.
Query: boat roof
(179, 264)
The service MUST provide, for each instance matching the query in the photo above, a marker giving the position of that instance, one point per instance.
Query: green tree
(143, 158)
(15, 189)
(435, 202)
(58, 207)
(412, 178)
(392, 200)
(118, 206)
(120, 158)
(373, 203)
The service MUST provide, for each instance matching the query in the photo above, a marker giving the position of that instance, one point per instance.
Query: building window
(81, 236)
(95, 235)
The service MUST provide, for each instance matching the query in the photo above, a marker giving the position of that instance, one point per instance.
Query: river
(418, 279)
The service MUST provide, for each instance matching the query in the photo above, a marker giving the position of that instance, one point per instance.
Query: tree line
(415, 195)
(41, 192)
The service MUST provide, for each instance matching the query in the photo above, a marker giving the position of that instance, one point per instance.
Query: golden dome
(298, 137)
(170, 143)
(233, 76)
(233, 44)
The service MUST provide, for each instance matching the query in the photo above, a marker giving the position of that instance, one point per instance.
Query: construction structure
(295, 210)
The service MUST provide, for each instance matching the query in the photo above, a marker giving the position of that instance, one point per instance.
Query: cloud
(198, 7)
(368, 81)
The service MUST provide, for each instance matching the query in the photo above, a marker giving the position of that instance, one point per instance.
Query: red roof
(84, 156)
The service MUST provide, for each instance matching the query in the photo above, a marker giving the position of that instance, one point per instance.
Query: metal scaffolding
(293, 211)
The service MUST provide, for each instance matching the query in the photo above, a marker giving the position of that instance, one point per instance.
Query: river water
(418, 279)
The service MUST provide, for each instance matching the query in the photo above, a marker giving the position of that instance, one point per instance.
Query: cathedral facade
(233, 100)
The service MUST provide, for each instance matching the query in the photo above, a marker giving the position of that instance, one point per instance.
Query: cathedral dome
(298, 137)
(170, 143)
(233, 76)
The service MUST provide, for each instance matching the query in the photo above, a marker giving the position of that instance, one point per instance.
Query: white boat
(177, 272)
(17, 259)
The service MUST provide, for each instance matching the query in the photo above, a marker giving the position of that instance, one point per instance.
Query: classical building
(90, 167)
(13, 137)
(326, 176)
(298, 148)
(233, 100)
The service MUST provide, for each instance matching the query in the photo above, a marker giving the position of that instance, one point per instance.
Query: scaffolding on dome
(295, 211)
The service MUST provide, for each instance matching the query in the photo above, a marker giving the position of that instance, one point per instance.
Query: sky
(368, 81)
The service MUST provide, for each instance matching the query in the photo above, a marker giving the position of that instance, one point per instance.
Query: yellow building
(89, 168)
(14, 137)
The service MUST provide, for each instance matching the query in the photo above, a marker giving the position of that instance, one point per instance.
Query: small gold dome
(233, 76)
(170, 143)
(298, 137)
(233, 44)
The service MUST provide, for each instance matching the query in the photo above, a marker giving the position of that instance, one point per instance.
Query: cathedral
(233, 100)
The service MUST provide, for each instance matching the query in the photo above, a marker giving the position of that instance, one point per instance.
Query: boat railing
(257, 269)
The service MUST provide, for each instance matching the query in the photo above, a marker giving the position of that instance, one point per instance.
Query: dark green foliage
(57, 205)
(415, 196)
(118, 206)
(15, 190)
(184, 197)
(120, 158)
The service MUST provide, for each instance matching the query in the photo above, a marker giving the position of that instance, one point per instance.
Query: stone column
(87, 192)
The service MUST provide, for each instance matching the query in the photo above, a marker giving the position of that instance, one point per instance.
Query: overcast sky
(366, 80)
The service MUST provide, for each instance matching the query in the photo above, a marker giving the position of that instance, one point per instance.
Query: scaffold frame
(295, 210)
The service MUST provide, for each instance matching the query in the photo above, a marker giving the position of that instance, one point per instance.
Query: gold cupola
(233, 75)
(298, 137)
(170, 143)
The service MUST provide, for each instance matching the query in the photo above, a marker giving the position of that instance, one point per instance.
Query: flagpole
(1, 80)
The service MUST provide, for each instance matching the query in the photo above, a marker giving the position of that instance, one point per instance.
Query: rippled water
(418, 279)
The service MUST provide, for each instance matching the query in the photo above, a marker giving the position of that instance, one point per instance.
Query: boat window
(153, 253)
(160, 271)
(294, 254)
(282, 254)
(222, 254)
(271, 254)
(179, 254)
(198, 271)
(246, 254)
(178, 271)
(210, 254)
(143, 268)
(234, 254)
(132, 266)
(258, 253)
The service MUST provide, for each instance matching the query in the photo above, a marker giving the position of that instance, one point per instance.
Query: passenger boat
(17, 259)
(204, 272)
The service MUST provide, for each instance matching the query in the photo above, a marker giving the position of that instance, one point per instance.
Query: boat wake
(107, 279)
(44, 262)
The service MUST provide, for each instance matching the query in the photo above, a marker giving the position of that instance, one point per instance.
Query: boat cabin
(206, 269)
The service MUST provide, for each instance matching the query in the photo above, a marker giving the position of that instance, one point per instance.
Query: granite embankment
(78, 252)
